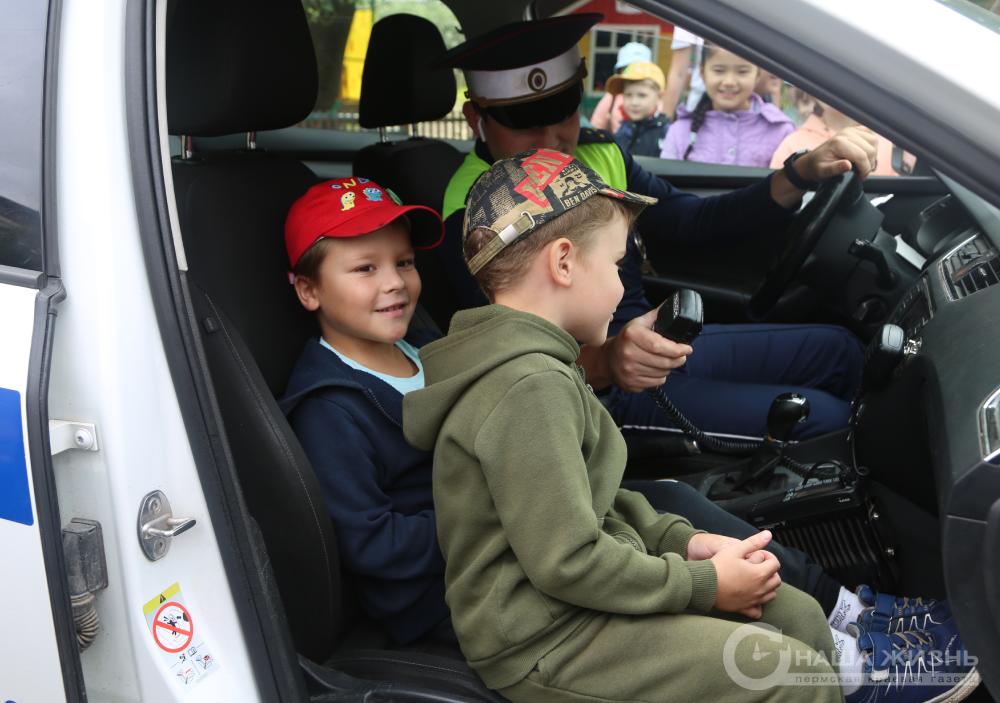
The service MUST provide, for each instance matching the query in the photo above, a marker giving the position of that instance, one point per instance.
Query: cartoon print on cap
(347, 200)
(373, 194)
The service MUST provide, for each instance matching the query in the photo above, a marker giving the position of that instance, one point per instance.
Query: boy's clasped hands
(746, 575)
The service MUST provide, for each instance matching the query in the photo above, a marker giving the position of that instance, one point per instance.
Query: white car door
(37, 654)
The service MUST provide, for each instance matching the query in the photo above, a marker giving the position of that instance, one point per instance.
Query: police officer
(525, 83)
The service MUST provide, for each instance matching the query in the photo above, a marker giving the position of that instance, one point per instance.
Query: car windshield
(984, 12)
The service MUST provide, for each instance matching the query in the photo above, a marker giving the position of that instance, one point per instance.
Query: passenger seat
(237, 66)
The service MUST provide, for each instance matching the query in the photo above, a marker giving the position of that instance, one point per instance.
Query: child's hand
(706, 545)
(747, 577)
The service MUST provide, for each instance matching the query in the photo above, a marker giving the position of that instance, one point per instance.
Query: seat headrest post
(251, 141)
(383, 135)
(187, 147)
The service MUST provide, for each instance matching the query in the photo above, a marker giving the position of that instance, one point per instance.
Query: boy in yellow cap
(641, 84)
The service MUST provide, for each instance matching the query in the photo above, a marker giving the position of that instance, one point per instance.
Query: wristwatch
(789, 169)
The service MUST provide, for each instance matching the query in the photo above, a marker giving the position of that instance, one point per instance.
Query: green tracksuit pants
(690, 657)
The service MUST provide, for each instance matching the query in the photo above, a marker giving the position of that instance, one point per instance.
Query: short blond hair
(578, 225)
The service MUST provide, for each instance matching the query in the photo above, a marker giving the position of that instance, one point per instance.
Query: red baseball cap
(351, 207)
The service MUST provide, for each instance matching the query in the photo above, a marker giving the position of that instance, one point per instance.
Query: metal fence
(451, 127)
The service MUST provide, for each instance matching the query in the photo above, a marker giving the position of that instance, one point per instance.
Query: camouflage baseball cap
(518, 195)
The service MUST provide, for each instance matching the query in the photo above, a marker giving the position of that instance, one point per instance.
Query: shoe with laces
(889, 614)
(921, 666)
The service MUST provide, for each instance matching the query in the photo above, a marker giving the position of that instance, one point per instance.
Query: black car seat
(401, 86)
(237, 66)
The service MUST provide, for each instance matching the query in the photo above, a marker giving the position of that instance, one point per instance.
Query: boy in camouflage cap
(563, 586)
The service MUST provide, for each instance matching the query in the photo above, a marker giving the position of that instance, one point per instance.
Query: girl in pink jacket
(731, 124)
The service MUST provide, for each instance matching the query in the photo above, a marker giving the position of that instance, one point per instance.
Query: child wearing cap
(609, 113)
(350, 246)
(563, 586)
(645, 126)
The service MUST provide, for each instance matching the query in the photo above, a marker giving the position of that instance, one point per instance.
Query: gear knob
(787, 410)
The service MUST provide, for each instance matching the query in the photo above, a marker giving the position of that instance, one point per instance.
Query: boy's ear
(562, 262)
(305, 289)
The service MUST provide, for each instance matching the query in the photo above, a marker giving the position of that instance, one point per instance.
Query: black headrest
(399, 85)
(238, 66)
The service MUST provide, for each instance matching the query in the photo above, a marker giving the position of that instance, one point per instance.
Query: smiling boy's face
(640, 99)
(365, 291)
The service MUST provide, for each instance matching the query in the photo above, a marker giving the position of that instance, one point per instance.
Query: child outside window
(641, 85)
(609, 112)
(731, 124)
(562, 585)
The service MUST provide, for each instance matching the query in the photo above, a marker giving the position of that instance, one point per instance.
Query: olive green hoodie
(535, 530)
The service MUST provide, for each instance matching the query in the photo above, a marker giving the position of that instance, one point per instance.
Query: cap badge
(347, 200)
(537, 80)
(373, 194)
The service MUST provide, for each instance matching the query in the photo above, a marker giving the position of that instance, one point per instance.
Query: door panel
(28, 649)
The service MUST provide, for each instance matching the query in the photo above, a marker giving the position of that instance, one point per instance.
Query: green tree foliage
(329, 24)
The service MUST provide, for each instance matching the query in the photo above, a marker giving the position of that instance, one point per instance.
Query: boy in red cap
(350, 246)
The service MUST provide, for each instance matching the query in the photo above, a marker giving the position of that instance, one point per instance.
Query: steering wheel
(801, 237)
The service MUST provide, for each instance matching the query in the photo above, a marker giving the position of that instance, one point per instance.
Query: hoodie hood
(479, 340)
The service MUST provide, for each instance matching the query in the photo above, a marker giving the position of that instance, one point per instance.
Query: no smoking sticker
(177, 637)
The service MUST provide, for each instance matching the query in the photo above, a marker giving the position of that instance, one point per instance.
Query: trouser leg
(688, 657)
(797, 568)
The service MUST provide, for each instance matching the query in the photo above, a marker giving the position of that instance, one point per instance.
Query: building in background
(622, 24)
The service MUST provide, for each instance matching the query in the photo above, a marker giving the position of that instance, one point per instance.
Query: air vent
(971, 267)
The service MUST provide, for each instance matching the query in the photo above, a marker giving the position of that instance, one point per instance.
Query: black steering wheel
(801, 236)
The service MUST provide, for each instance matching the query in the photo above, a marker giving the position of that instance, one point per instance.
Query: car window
(22, 62)
(707, 105)
(340, 32)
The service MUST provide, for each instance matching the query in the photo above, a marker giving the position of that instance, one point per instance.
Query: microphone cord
(740, 447)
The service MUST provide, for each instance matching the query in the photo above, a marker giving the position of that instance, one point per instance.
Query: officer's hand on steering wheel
(854, 145)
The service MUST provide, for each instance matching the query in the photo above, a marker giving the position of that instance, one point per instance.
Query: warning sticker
(178, 639)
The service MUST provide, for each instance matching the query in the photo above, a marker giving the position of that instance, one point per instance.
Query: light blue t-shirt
(402, 384)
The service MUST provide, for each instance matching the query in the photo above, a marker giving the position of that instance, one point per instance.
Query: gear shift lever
(787, 411)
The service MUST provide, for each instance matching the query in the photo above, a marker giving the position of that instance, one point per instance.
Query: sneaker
(925, 666)
(888, 614)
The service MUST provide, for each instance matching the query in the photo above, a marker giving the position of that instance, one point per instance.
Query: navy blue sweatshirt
(377, 489)
(642, 137)
(678, 218)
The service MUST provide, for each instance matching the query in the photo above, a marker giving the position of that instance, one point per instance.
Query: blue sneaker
(889, 614)
(928, 666)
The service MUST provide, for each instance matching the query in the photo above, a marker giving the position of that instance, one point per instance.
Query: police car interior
(907, 497)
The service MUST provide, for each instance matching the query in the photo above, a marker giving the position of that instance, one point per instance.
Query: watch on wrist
(793, 176)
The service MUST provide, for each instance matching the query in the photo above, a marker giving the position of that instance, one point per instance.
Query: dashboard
(932, 432)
